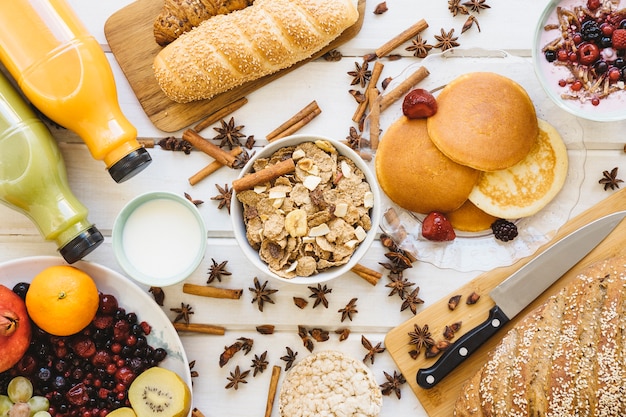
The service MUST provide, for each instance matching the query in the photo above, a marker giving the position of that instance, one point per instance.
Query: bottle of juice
(64, 72)
(33, 179)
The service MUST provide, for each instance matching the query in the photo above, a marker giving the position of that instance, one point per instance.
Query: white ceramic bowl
(612, 108)
(159, 238)
(239, 227)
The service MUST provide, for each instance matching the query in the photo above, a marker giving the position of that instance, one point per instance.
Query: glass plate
(129, 296)
(481, 251)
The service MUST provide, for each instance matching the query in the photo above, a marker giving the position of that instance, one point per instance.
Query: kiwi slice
(159, 392)
(122, 412)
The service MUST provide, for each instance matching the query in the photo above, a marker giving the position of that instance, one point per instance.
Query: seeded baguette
(226, 51)
(566, 358)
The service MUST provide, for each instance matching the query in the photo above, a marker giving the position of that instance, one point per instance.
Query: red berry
(437, 227)
(145, 326)
(607, 29)
(619, 39)
(577, 38)
(562, 55)
(576, 85)
(588, 53)
(595, 101)
(419, 104)
(562, 83)
(593, 4)
(614, 74)
(108, 303)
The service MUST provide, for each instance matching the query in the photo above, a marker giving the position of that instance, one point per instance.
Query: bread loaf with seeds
(567, 358)
(229, 50)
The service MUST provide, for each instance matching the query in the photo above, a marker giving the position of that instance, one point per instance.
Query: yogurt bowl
(313, 224)
(576, 62)
(159, 238)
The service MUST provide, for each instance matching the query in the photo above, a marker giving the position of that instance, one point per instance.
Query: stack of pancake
(484, 155)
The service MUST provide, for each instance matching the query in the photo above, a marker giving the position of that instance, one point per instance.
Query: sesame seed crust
(229, 50)
(566, 358)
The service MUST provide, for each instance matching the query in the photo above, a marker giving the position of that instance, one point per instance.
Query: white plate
(481, 251)
(129, 296)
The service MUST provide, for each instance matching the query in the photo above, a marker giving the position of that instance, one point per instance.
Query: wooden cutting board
(129, 33)
(439, 401)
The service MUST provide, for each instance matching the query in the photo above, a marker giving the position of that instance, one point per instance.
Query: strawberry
(619, 39)
(437, 227)
(419, 104)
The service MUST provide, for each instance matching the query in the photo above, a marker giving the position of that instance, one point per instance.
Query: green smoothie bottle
(33, 179)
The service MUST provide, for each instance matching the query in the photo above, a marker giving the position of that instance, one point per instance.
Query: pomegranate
(15, 328)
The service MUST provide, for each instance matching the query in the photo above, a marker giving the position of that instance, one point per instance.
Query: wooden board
(439, 401)
(129, 33)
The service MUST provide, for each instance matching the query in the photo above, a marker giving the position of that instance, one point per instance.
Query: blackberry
(504, 230)
(590, 31)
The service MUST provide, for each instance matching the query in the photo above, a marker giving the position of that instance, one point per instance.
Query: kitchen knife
(519, 290)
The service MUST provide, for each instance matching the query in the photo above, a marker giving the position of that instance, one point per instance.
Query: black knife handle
(462, 349)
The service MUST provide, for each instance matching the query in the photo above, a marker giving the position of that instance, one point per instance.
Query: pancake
(528, 186)
(484, 120)
(415, 175)
(469, 218)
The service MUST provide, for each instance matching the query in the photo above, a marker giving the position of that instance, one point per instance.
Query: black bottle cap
(130, 165)
(81, 245)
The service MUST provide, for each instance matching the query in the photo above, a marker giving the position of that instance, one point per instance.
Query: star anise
(250, 142)
(393, 384)
(412, 301)
(193, 200)
(333, 55)
(224, 197)
(183, 313)
(259, 363)
(319, 293)
(217, 270)
(398, 285)
(348, 310)
(355, 140)
(456, 7)
(237, 378)
(361, 75)
(399, 262)
(289, 358)
(229, 134)
(421, 337)
(476, 5)
(242, 159)
(446, 40)
(610, 179)
(371, 349)
(261, 294)
(171, 143)
(306, 341)
(243, 343)
(419, 47)
(471, 21)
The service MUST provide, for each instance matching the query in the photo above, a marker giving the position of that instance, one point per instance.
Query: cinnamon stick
(200, 328)
(403, 88)
(208, 148)
(374, 117)
(196, 413)
(367, 274)
(362, 107)
(213, 292)
(271, 394)
(220, 114)
(266, 174)
(304, 116)
(398, 40)
(211, 168)
(146, 143)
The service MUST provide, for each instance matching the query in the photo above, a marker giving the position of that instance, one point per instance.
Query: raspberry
(504, 230)
(619, 39)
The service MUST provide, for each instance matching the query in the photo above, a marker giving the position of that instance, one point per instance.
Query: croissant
(228, 50)
(567, 358)
(180, 16)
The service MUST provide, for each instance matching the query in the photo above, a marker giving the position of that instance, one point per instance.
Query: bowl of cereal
(305, 209)
(579, 56)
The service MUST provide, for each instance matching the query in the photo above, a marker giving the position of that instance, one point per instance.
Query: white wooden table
(328, 83)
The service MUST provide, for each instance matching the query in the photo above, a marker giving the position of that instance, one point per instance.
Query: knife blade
(520, 289)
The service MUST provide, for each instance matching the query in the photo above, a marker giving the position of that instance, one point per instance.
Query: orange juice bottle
(63, 71)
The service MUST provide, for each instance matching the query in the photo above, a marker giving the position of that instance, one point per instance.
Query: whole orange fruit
(62, 300)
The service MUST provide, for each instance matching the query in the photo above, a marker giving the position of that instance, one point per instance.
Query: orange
(62, 300)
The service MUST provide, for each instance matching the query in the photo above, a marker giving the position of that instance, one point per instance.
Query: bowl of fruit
(83, 340)
(579, 56)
